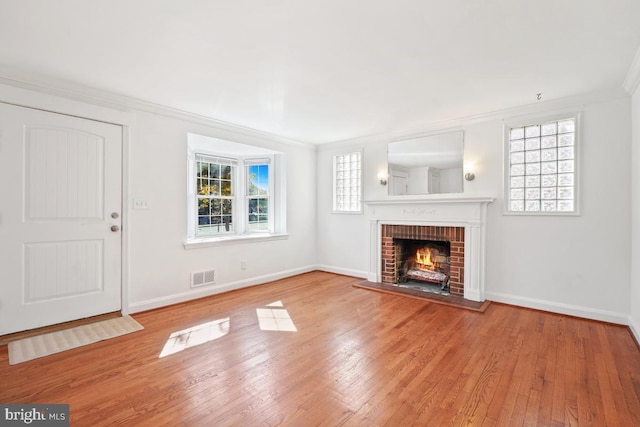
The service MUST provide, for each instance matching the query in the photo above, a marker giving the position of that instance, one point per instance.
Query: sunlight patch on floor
(200, 334)
(275, 319)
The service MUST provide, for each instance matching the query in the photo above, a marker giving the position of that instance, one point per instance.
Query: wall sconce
(469, 174)
(382, 177)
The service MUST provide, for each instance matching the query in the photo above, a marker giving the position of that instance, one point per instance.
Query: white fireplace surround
(450, 211)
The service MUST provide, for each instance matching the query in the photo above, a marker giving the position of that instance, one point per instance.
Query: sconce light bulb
(383, 178)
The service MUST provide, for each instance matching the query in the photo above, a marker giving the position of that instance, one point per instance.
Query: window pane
(549, 167)
(549, 193)
(214, 212)
(532, 156)
(213, 187)
(517, 194)
(565, 153)
(517, 182)
(549, 128)
(532, 205)
(548, 141)
(566, 139)
(258, 214)
(347, 189)
(565, 166)
(532, 143)
(565, 205)
(517, 157)
(203, 169)
(225, 188)
(214, 170)
(565, 179)
(203, 187)
(258, 180)
(549, 154)
(533, 181)
(532, 194)
(549, 205)
(548, 172)
(533, 168)
(517, 145)
(565, 126)
(531, 131)
(203, 206)
(517, 206)
(517, 133)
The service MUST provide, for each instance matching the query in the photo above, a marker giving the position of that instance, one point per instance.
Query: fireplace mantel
(437, 210)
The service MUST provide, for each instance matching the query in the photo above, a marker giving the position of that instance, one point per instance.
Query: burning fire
(423, 259)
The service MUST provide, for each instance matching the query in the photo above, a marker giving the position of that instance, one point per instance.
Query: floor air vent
(202, 278)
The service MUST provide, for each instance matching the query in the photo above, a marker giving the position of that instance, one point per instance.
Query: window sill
(206, 242)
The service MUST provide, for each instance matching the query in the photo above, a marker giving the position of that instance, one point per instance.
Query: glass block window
(541, 175)
(347, 179)
(215, 190)
(258, 195)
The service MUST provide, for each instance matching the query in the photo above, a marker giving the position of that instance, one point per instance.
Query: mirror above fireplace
(430, 164)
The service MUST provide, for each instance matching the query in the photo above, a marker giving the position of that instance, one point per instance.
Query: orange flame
(423, 258)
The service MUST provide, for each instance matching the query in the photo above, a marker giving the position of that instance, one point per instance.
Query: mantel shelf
(430, 199)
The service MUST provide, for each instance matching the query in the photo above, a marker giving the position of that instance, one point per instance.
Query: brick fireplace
(392, 237)
(459, 221)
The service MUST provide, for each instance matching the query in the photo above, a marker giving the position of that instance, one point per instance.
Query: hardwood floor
(357, 357)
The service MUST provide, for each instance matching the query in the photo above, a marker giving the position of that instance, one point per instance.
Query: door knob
(115, 228)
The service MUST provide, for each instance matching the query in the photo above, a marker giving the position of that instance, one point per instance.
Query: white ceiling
(325, 70)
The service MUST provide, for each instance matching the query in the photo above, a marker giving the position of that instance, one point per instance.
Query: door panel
(59, 259)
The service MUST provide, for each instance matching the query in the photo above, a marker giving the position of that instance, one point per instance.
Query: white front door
(60, 218)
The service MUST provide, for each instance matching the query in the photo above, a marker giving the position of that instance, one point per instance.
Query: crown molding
(87, 94)
(551, 106)
(90, 95)
(632, 80)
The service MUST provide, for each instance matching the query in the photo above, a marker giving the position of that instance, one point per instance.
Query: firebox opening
(423, 264)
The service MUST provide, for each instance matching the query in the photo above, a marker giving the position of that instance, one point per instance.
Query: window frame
(540, 120)
(335, 209)
(222, 161)
(198, 144)
(259, 161)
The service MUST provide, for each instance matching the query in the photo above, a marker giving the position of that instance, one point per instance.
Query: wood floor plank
(356, 357)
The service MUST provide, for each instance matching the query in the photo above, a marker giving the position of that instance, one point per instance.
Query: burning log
(426, 275)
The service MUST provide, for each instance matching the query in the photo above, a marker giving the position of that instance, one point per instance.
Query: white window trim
(278, 200)
(537, 119)
(333, 186)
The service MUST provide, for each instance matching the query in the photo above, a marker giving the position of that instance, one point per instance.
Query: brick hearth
(454, 235)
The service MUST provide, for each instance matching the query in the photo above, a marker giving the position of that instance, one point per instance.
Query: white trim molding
(154, 303)
(560, 308)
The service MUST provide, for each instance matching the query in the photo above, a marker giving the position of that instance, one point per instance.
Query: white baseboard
(343, 271)
(635, 330)
(153, 303)
(555, 307)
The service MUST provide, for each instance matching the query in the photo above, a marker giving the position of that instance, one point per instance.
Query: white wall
(574, 265)
(160, 266)
(157, 267)
(634, 320)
